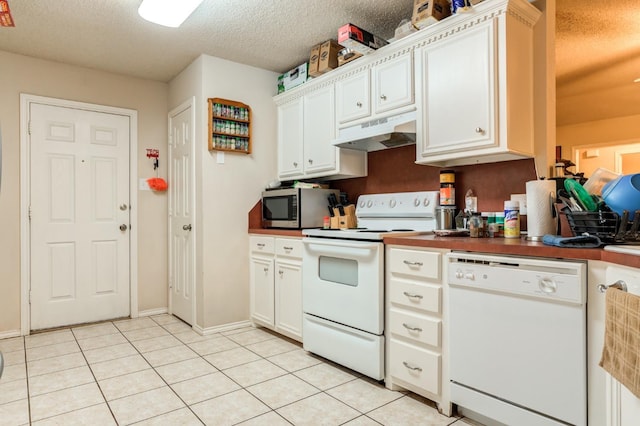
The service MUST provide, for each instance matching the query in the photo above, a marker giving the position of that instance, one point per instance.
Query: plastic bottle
(326, 222)
(499, 224)
(470, 201)
(491, 225)
(511, 219)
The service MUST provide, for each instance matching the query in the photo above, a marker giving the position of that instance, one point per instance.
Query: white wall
(22, 74)
(227, 191)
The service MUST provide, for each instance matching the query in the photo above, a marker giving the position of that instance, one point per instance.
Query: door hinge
(29, 213)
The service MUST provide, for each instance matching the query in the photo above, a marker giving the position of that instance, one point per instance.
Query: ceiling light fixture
(170, 13)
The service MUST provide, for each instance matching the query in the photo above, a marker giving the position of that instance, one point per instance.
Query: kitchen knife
(340, 209)
(331, 211)
(344, 200)
(333, 200)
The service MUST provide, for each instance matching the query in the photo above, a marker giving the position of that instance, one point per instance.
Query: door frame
(189, 103)
(25, 172)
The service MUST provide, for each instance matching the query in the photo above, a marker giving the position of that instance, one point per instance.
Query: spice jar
(447, 188)
(475, 225)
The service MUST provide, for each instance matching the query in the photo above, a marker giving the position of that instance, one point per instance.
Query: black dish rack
(608, 226)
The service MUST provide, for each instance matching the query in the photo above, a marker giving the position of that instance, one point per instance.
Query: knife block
(347, 221)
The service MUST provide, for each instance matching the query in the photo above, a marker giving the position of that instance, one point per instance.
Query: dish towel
(621, 351)
(581, 241)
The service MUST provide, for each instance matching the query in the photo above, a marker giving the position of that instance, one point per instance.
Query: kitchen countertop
(519, 247)
(622, 255)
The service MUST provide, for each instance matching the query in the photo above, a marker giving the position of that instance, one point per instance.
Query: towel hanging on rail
(621, 351)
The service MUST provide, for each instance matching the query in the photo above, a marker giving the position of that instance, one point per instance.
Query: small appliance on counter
(295, 208)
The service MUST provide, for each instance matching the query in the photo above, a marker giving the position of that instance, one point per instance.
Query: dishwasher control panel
(540, 278)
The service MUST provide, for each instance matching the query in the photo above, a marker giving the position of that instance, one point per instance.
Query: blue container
(623, 193)
(456, 4)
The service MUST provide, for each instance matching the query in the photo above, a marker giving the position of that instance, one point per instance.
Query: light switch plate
(220, 157)
(144, 185)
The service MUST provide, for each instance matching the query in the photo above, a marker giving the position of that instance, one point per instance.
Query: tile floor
(157, 371)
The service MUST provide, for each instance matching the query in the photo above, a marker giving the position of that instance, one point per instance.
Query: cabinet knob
(281, 272)
(295, 164)
(359, 104)
(480, 130)
(310, 161)
(383, 97)
(266, 269)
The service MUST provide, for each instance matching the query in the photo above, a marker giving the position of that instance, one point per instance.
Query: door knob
(123, 207)
(186, 227)
(123, 227)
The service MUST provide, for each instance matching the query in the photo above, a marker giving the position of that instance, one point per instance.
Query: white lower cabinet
(276, 284)
(415, 326)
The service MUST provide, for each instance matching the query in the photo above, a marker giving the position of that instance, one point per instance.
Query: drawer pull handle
(288, 248)
(410, 328)
(408, 263)
(411, 367)
(260, 245)
(413, 296)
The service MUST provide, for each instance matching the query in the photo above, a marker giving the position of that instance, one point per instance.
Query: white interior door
(181, 213)
(79, 209)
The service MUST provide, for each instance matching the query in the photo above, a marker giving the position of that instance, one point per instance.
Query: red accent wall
(394, 170)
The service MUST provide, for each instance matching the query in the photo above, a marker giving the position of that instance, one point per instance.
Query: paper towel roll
(540, 197)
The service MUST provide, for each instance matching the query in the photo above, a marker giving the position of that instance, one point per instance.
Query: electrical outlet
(143, 185)
(522, 200)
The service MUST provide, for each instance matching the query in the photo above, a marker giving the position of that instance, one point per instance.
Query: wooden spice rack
(229, 126)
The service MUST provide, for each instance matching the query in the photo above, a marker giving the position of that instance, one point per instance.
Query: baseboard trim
(149, 312)
(221, 328)
(9, 334)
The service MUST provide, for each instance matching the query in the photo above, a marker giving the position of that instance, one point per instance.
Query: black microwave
(295, 208)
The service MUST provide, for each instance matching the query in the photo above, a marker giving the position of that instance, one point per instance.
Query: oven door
(343, 281)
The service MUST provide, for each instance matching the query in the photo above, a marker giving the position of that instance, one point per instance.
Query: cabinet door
(458, 84)
(288, 284)
(290, 121)
(393, 83)
(623, 407)
(319, 131)
(353, 99)
(262, 290)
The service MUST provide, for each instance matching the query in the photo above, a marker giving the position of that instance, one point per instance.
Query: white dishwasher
(518, 338)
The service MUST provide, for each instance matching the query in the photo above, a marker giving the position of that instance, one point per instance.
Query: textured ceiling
(109, 35)
(597, 42)
(597, 59)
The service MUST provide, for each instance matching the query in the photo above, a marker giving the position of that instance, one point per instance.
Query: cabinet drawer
(422, 264)
(418, 328)
(416, 366)
(261, 244)
(289, 247)
(426, 297)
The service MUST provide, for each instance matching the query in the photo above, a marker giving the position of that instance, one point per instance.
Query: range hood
(381, 133)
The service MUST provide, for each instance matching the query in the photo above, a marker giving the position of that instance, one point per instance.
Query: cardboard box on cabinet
(429, 12)
(293, 78)
(359, 40)
(328, 56)
(314, 60)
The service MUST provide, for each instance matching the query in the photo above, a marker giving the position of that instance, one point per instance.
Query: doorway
(78, 230)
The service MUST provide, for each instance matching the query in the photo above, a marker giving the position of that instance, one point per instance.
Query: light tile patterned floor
(157, 371)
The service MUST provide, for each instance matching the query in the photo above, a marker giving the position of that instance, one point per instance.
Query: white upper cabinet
(389, 83)
(393, 83)
(458, 81)
(319, 130)
(353, 97)
(469, 79)
(474, 80)
(290, 134)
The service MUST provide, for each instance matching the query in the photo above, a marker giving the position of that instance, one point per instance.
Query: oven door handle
(346, 249)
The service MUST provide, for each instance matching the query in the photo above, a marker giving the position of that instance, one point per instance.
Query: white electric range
(343, 278)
